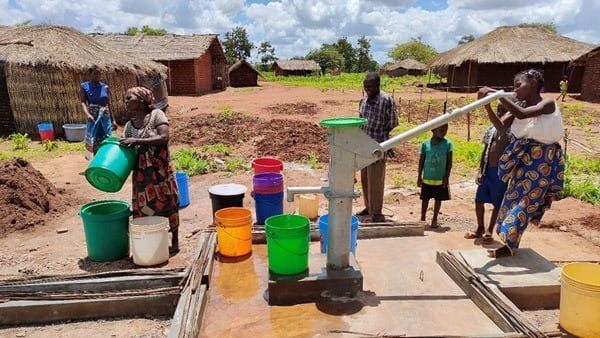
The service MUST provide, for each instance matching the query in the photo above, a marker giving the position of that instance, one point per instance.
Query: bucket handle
(288, 250)
(230, 235)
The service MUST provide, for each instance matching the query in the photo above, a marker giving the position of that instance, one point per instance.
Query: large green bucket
(288, 238)
(105, 224)
(111, 165)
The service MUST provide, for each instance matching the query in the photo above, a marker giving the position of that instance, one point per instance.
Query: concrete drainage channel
(183, 293)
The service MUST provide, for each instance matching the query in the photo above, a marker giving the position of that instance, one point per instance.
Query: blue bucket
(267, 205)
(323, 222)
(183, 189)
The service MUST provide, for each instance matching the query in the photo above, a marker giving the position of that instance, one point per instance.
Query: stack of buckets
(267, 188)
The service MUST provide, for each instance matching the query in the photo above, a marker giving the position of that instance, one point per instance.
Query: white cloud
(294, 27)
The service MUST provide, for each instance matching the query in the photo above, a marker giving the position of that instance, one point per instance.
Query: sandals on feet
(363, 212)
(472, 235)
(487, 239)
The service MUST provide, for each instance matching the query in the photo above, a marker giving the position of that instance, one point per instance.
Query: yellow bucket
(234, 231)
(308, 205)
(580, 299)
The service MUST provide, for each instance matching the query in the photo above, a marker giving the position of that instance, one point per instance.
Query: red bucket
(267, 165)
(46, 131)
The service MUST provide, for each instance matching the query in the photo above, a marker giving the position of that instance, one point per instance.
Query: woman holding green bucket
(154, 187)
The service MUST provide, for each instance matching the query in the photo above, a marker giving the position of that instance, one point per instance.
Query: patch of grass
(465, 152)
(19, 141)
(49, 146)
(235, 165)
(313, 161)
(226, 113)
(191, 162)
(582, 179)
(217, 149)
(400, 179)
(346, 81)
(404, 125)
(4, 157)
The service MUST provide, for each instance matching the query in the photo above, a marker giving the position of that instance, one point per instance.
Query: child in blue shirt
(435, 164)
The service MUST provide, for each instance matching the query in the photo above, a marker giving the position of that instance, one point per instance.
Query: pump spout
(292, 191)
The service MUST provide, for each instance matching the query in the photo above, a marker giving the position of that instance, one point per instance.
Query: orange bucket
(234, 231)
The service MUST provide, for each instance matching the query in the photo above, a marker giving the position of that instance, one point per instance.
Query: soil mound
(27, 198)
(299, 108)
(293, 140)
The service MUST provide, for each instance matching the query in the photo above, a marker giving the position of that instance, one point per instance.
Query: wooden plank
(211, 262)
(98, 284)
(476, 296)
(41, 312)
(176, 323)
(198, 314)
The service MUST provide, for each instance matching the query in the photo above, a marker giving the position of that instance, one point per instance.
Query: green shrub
(19, 141)
(48, 145)
(217, 149)
(235, 165)
(191, 162)
(582, 179)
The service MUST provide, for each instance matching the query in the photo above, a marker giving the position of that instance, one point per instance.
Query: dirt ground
(270, 120)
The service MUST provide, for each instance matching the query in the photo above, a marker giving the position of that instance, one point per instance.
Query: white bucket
(74, 132)
(149, 238)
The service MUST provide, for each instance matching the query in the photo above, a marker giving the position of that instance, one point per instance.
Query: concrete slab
(316, 284)
(405, 292)
(529, 280)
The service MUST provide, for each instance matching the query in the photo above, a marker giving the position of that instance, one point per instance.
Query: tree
(551, 26)
(364, 60)
(145, 30)
(327, 57)
(266, 52)
(415, 49)
(465, 39)
(348, 52)
(236, 44)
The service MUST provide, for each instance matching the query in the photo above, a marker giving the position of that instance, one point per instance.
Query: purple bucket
(268, 183)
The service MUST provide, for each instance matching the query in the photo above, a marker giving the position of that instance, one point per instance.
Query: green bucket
(111, 165)
(288, 238)
(106, 224)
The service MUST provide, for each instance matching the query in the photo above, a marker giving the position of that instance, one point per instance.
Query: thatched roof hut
(404, 67)
(590, 86)
(243, 74)
(295, 67)
(494, 58)
(197, 63)
(41, 70)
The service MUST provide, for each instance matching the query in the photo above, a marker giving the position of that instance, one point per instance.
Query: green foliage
(415, 49)
(191, 162)
(237, 45)
(49, 146)
(217, 149)
(225, 114)
(347, 52)
(4, 156)
(19, 141)
(23, 23)
(327, 57)
(235, 165)
(582, 179)
(145, 30)
(347, 81)
(550, 26)
(364, 60)
(465, 152)
(465, 39)
(313, 161)
(266, 52)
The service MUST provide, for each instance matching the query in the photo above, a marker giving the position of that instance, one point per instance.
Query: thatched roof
(514, 44)
(309, 65)
(160, 47)
(66, 48)
(245, 63)
(407, 64)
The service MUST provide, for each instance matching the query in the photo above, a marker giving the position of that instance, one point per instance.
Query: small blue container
(323, 222)
(267, 205)
(182, 187)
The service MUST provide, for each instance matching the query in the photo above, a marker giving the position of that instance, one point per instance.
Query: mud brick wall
(189, 77)
(243, 77)
(590, 88)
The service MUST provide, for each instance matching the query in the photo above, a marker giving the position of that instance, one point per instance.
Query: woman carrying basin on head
(154, 187)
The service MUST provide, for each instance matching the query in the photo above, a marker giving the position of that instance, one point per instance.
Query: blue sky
(294, 27)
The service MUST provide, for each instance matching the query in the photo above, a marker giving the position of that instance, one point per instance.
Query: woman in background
(94, 101)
